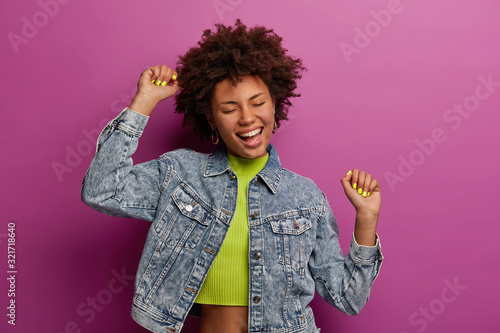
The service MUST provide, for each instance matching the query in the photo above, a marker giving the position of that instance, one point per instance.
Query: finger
(156, 74)
(361, 181)
(374, 187)
(367, 185)
(164, 72)
(146, 76)
(149, 73)
(161, 75)
(156, 71)
(168, 77)
(354, 179)
(173, 78)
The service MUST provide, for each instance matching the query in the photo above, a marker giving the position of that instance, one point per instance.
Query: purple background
(395, 84)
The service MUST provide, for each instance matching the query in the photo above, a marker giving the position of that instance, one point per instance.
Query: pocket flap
(293, 225)
(191, 205)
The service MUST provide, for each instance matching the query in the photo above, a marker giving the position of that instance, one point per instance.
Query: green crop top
(227, 280)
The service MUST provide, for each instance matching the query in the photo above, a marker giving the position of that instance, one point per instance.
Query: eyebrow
(251, 98)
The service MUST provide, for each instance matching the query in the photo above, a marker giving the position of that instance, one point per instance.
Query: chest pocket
(292, 240)
(185, 220)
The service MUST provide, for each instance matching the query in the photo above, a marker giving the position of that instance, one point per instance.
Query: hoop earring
(215, 141)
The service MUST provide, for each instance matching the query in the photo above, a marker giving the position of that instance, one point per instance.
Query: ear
(210, 120)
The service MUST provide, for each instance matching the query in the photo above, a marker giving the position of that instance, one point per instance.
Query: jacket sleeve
(112, 184)
(343, 281)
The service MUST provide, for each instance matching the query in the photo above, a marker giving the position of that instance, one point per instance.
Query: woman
(235, 237)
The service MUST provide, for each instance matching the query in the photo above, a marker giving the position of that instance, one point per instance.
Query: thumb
(346, 180)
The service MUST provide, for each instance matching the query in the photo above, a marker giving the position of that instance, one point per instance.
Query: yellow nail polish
(153, 81)
(174, 77)
(364, 194)
(164, 83)
(348, 173)
(354, 185)
(368, 194)
(360, 190)
(158, 82)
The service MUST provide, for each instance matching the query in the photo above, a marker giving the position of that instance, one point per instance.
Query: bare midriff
(224, 319)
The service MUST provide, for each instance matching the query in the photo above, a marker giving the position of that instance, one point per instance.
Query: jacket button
(257, 255)
(254, 215)
(256, 299)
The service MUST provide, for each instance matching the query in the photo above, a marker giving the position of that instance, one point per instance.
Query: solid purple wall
(383, 92)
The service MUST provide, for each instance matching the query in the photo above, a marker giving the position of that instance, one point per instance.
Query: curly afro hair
(231, 53)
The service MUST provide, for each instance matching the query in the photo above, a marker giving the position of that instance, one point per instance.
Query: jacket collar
(271, 173)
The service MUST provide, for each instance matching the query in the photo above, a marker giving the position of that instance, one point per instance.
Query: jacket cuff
(365, 255)
(130, 122)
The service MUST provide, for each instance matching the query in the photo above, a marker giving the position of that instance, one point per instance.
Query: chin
(250, 154)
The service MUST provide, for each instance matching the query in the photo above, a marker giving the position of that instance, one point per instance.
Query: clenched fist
(363, 191)
(155, 84)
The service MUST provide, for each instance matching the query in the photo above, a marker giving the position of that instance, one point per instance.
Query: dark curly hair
(232, 53)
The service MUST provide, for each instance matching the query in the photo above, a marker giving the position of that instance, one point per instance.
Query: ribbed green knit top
(227, 280)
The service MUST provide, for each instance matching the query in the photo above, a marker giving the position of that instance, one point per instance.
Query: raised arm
(346, 281)
(113, 184)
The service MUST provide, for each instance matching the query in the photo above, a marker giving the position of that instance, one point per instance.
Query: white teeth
(249, 134)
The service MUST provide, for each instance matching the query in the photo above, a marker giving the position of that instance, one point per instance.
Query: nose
(247, 116)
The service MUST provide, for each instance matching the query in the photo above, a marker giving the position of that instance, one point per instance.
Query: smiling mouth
(252, 137)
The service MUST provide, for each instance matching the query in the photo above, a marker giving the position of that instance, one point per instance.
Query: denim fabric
(190, 198)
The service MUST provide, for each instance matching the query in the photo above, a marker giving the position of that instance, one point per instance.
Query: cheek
(270, 116)
(224, 125)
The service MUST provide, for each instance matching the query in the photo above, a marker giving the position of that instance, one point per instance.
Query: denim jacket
(190, 198)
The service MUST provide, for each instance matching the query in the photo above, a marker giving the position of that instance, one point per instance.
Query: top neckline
(247, 166)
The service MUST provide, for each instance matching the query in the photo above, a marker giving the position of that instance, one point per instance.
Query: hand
(367, 202)
(155, 84)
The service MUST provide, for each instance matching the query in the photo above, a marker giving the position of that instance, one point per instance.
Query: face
(243, 115)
